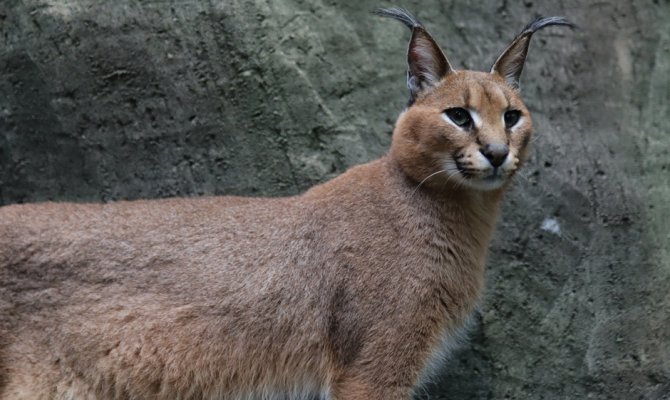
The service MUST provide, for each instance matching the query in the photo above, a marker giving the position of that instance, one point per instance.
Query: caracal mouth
(483, 179)
(493, 179)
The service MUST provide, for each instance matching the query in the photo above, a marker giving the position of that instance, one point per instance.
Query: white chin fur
(476, 183)
(484, 184)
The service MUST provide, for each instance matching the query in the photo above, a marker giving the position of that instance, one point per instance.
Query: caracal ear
(510, 63)
(427, 64)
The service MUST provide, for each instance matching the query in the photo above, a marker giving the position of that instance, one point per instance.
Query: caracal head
(463, 128)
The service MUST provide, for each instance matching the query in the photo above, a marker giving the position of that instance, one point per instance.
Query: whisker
(456, 181)
(426, 178)
(455, 172)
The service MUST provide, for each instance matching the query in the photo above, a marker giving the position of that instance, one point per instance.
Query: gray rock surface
(141, 99)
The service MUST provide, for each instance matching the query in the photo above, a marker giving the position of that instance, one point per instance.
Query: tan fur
(347, 290)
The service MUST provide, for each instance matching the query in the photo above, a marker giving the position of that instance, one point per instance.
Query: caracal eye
(511, 117)
(460, 116)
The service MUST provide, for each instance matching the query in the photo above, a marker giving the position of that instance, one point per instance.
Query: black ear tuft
(510, 63)
(399, 14)
(427, 65)
(541, 22)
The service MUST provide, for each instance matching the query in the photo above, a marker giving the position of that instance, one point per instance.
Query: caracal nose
(496, 153)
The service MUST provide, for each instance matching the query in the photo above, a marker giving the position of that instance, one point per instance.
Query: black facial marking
(487, 93)
(466, 100)
(506, 100)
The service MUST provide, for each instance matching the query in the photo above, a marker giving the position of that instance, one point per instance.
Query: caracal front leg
(385, 370)
(360, 388)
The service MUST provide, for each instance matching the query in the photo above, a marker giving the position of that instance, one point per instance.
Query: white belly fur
(449, 341)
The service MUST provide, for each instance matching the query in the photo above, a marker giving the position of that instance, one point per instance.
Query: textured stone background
(140, 99)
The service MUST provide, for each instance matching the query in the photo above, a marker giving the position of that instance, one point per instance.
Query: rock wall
(127, 99)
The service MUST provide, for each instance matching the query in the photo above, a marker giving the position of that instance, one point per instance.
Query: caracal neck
(382, 183)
